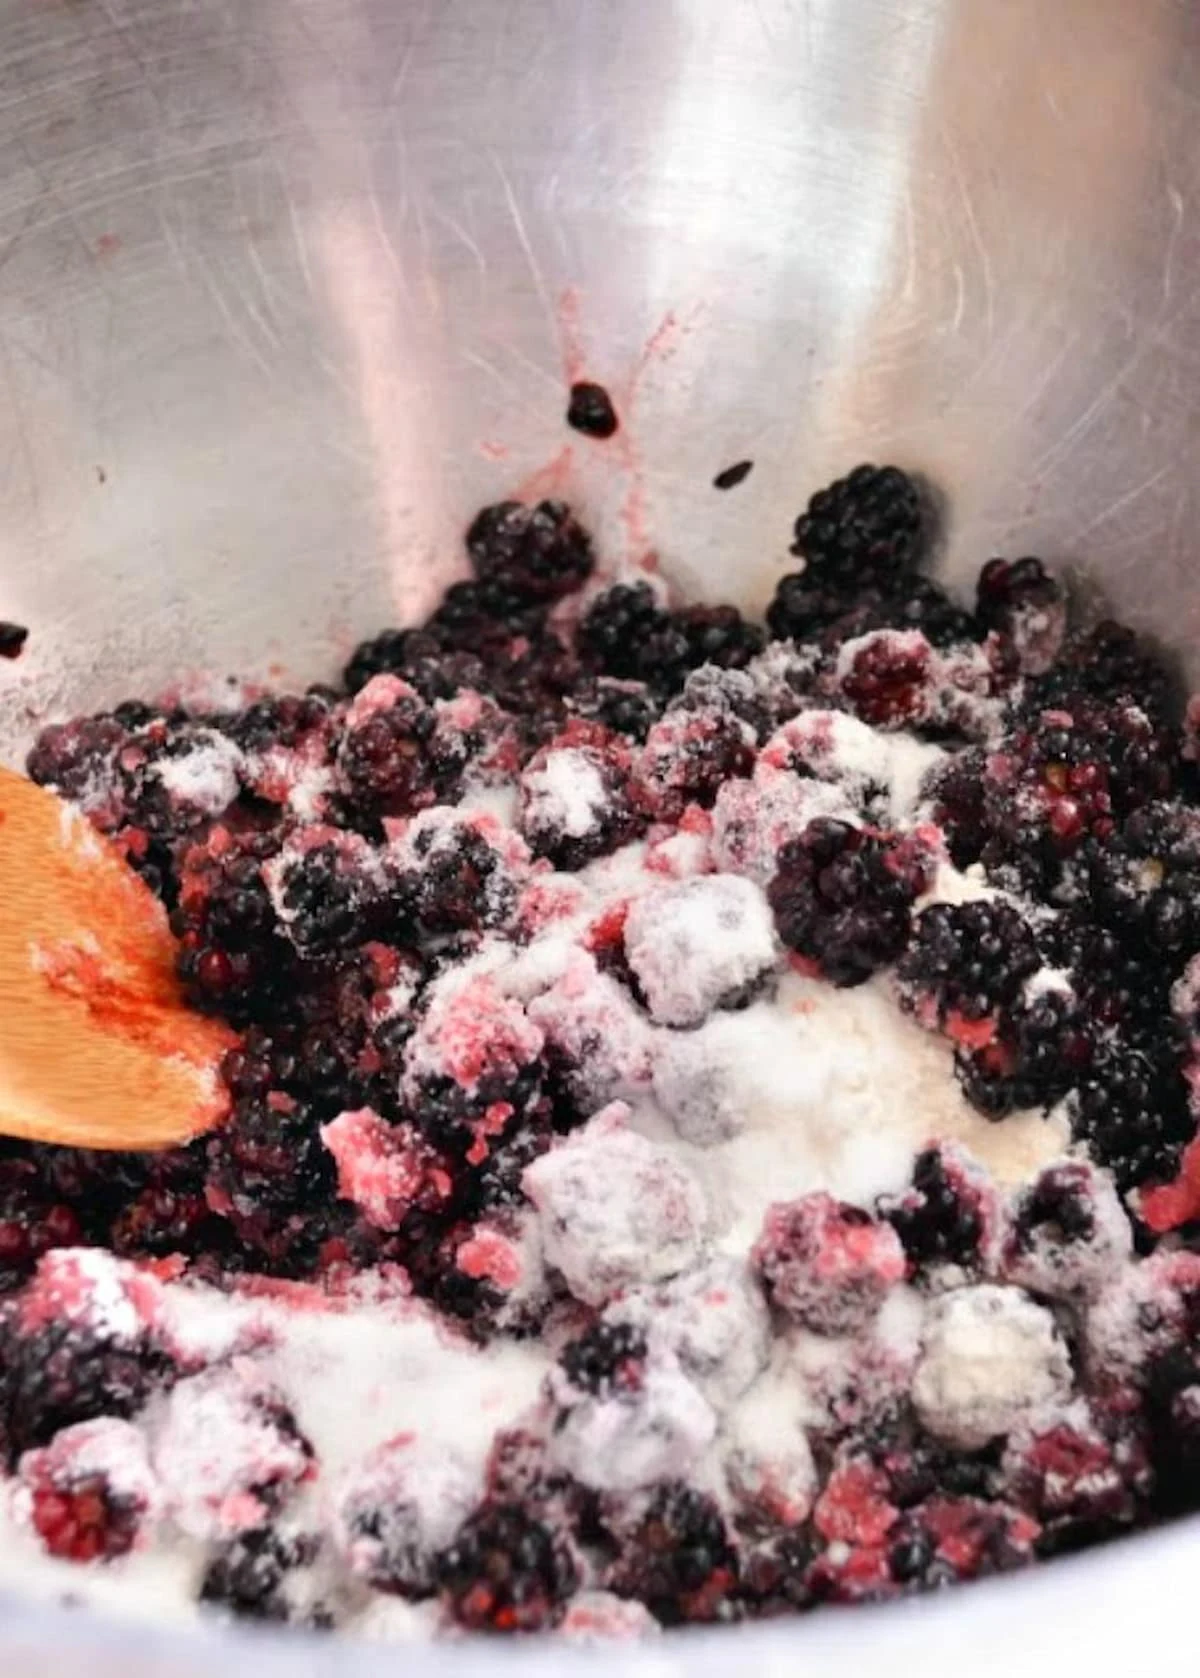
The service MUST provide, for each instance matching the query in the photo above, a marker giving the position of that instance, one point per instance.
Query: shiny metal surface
(288, 287)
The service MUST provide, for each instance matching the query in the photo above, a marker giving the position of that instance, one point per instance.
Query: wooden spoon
(97, 1048)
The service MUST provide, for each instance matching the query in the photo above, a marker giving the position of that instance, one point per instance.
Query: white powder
(566, 793)
(695, 942)
(991, 1359)
(206, 777)
(355, 1376)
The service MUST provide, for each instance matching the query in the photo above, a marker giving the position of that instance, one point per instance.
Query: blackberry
(269, 1156)
(628, 708)
(505, 1572)
(1144, 882)
(13, 637)
(419, 658)
(60, 1374)
(591, 411)
(1107, 663)
(804, 607)
(678, 1558)
(248, 1577)
(277, 720)
(483, 619)
(862, 529)
(538, 553)
(608, 1356)
(1022, 601)
(625, 632)
(77, 761)
(689, 755)
(456, 884)
(889, 679)
(383, 761)
(826, 1264)
(911, 602)
(943, 1219)
(84, 1519)
(33, 1220)
(1131, 1108)
(1038, 1052)
(841, 900)
(719, 635)
(598, 817)
(955, 791)
(965, 961)
(328, 904)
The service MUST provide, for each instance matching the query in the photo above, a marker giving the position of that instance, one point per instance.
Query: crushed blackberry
(538, 553)
(13, 637)
(84, 1519)
(248, 1578)
(842, 900)
(729, 477)
(608, 1356)
(967, 960)
(863, 529)
(590, 410)
(505, 1571)
(678, 1558)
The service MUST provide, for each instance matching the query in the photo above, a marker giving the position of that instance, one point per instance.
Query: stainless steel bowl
(288, 287)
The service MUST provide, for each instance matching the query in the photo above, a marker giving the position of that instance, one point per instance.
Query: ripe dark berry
(60, 1374)
(678, 1558)
(719, 635)
(625, 632)
(966, 960)
(591, 411)
(1131, 1108)
(505, 1572)
(13, 637)
(948, 1217)
(537, 553)
(862, 529)
(887, 680)
(608, 1357)
(625, 707)
(842, 899)
(248, 1577)
(1022, 601)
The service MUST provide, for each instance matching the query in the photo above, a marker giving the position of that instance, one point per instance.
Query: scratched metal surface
(282, 297)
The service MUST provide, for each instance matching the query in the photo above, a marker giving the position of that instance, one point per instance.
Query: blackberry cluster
(679, 1558)
(968, 959)
(842, 900)
(505, 1571)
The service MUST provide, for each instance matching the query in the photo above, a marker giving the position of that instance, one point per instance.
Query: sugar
(206, 776)
(567, 793)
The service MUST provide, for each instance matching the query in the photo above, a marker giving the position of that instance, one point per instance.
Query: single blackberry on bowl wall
(864, 528)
